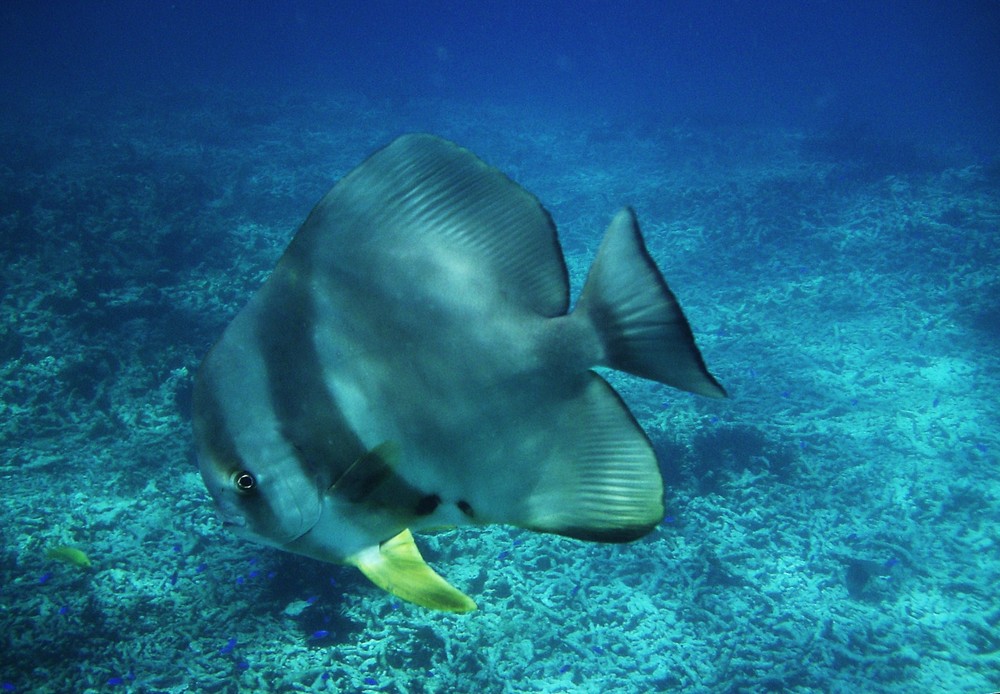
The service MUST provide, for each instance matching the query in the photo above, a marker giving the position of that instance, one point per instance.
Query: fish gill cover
(819, 186)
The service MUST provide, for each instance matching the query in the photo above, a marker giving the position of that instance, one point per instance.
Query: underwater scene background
(819, 183)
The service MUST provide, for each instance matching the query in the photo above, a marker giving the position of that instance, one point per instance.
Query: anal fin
(603, 483)
(397, 566)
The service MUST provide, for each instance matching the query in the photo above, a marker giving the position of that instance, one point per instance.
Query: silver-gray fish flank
(412, 363)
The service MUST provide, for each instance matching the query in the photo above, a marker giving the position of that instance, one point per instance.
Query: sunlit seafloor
(833, 526)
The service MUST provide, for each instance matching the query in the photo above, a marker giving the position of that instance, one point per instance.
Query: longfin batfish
(412, 363)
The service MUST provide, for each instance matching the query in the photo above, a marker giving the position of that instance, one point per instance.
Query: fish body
(412, 363)
(71, 555)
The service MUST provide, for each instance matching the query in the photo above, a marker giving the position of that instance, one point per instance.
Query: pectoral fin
(396, 566)
(369, 474)
(372, 480)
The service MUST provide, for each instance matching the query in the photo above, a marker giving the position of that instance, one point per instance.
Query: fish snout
(229, 514)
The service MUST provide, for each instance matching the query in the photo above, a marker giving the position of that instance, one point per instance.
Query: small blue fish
(228, 648)
(319, 634)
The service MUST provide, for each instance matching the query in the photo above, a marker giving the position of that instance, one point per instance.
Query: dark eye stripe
(212, 434)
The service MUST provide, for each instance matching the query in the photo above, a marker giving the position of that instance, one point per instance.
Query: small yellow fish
(70, 555)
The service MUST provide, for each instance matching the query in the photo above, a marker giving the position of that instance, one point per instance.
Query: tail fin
(637, 317)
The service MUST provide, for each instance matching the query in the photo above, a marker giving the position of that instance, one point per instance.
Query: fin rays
(642, 326)
(421, 189)
(605, 484)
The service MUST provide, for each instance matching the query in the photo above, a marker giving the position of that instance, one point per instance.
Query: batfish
(412, 363)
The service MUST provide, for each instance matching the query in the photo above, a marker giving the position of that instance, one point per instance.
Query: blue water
(820, 184)
(917, 69)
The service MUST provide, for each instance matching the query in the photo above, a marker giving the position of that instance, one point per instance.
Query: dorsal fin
(464, 216)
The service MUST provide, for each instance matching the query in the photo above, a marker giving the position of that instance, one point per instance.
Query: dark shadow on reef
(718, 456)
(323, 587)
(861, 154)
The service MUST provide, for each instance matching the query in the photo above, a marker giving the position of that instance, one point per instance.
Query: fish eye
(245, 482)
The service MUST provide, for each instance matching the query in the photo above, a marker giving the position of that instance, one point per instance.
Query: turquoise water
(832, 526)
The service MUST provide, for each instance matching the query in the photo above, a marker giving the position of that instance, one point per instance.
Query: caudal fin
(637, 317)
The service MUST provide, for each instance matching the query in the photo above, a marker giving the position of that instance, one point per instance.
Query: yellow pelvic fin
(396, 566)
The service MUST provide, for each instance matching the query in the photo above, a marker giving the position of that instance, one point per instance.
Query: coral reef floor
(833, 526)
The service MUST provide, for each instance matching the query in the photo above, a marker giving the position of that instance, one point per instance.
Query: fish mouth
(230, 517)
(227, 512)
